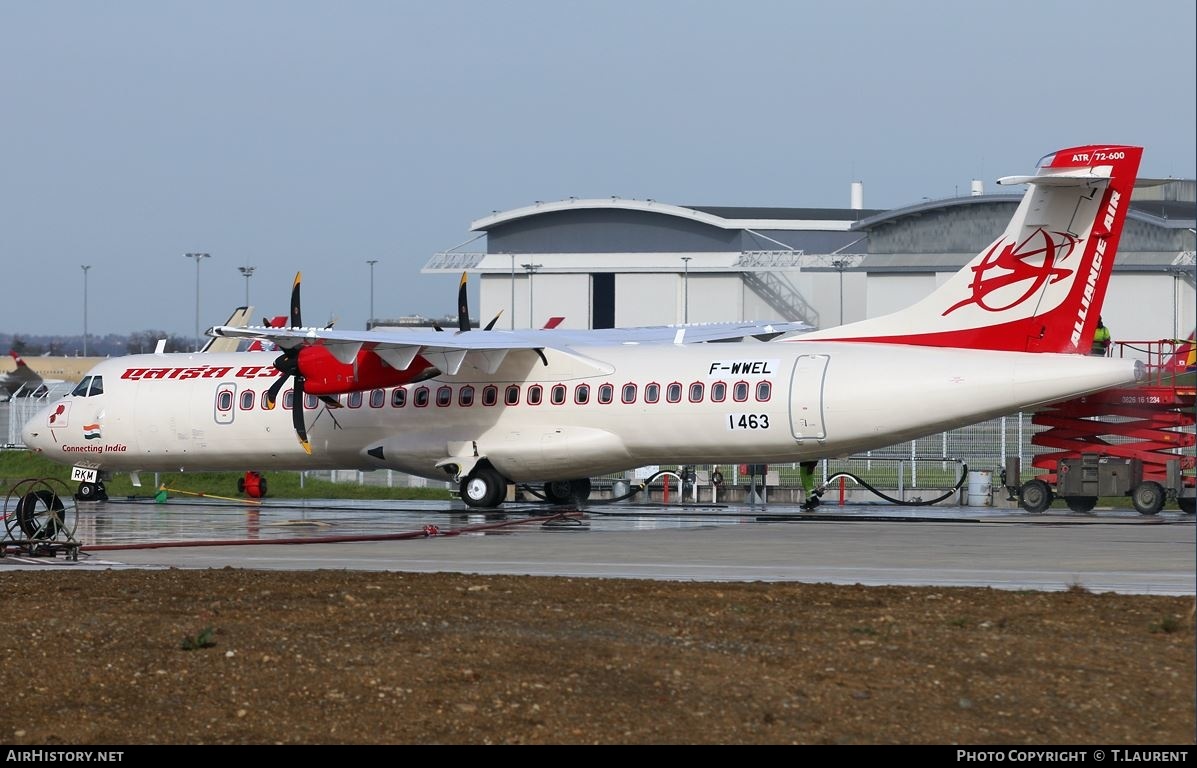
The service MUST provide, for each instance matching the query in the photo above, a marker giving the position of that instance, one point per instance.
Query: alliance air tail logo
(91, 431)
(1007, 268)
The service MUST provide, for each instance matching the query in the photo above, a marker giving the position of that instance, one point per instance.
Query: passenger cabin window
(310, 402)
(740, 391)
(420, 399)
(652, 393)
(764, 390)
(444, 396)
(377, 398)
(558, 394)
(511, 396)
(247, 399)
(696, 392)
(289, 399)
(535, 394)
(355, 399)
(80, 389)
(718, 392)
(673, 393)
(224, 400)
(399, 398)
(606, 394)
(465, 396)
(582, 394)
(490, 395)
(628, 395)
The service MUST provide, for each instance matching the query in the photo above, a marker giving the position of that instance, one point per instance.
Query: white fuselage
(579, 416)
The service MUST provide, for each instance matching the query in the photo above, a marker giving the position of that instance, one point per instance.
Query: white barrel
(979, 488)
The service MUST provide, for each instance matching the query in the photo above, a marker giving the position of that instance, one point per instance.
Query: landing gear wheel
(1081, 503)
(579, 490)
(484, 487)
(1187, 504)
(1035, 496)
(1148, 497)
(92, 491)
(567, 491)
(557, 492)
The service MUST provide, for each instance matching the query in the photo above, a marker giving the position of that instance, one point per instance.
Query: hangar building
(619, 262)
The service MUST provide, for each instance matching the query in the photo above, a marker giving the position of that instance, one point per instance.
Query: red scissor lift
(1135, 441)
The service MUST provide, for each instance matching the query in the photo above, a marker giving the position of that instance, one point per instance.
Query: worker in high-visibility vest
(1101, 339)
(807, 475)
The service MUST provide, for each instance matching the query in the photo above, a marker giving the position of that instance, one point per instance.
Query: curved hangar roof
(723, 217)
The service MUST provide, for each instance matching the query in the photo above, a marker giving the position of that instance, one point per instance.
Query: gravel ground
(326, 657)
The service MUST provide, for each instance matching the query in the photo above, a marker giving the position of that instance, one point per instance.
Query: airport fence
(18, 410)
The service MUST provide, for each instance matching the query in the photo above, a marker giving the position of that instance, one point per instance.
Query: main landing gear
(567, 491)
(484, 487)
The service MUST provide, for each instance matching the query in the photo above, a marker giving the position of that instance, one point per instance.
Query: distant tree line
(108, 345)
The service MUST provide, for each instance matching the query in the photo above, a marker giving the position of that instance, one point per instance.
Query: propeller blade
(494, 320)
(463, 310)
(301, 430)
(296, 319)
(271, 396)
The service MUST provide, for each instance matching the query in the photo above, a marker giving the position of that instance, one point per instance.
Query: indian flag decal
(91, 431)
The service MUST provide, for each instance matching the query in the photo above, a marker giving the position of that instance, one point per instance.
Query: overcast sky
(314, 136)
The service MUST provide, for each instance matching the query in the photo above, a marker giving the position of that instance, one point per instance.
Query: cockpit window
(89, 387)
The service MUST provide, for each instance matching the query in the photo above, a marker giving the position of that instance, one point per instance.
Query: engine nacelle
(326, 375)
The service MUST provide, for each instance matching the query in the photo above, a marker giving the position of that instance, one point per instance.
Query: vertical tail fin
(1040, 286)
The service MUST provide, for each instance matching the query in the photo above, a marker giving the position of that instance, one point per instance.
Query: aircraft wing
(487, 348)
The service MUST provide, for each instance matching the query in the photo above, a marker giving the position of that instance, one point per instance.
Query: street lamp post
(686, 290)
(85, 267)
(840, 265)
(198, 257)
(247, 272)
(531, 268)
(370, 320)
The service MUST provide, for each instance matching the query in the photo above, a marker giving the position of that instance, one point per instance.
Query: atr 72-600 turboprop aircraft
(1008, 332)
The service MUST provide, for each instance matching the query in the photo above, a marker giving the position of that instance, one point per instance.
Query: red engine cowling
(325, 375)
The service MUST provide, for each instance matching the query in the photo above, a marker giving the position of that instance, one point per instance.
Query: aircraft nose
(35, 432)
